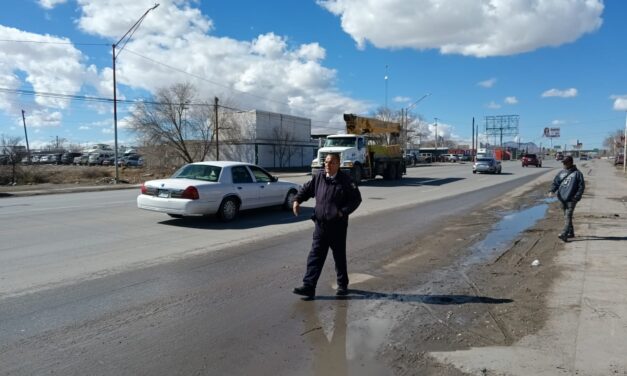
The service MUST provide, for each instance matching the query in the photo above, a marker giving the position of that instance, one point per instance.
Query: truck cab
(351, 148)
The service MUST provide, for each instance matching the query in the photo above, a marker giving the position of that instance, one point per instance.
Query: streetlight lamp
(405, 117)
(130, 31)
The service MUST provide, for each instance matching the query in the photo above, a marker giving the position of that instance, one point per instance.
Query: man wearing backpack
(569, 185)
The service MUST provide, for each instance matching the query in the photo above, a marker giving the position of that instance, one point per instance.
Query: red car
(531, 160)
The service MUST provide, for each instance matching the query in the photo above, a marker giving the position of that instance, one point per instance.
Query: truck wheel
(390, 172)
(399, 172)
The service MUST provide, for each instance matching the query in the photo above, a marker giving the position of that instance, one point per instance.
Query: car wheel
(175, 215)
(399, 172)
(228, 210)
(289, 200)
(474, 172)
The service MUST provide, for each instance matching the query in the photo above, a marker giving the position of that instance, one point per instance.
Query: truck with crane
(370, 148)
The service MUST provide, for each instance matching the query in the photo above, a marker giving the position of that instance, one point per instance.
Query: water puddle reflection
(504, 232)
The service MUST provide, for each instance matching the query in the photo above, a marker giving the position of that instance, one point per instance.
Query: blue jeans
(568, 208)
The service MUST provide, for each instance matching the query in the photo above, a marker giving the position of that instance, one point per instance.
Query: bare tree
(176, 121)
(284, 140)
(11, 154)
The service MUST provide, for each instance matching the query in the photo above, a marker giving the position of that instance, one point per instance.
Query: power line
(50, 42)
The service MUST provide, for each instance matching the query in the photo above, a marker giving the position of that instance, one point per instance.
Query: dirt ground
(461, 304)
(60, 176)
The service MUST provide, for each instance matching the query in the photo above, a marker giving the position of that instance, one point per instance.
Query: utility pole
(26, 136)
(436, 135)
(625, 145)
(472, 147)
(215, 109)
(130, 31)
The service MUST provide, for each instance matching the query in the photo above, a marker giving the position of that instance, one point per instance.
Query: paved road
(91, 285)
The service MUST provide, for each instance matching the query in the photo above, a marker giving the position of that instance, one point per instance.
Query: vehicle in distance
(425, 158)
(449, 158)
(131, 161)
(583, 157)
(216, 187)
(411, 158)
(487, 165)
(559, 156)
(531, 160)
(619, 159)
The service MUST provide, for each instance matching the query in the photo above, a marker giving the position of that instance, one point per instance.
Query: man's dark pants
(327, 234)
(568, 208)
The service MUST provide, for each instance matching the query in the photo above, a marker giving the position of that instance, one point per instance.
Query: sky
(554, 63)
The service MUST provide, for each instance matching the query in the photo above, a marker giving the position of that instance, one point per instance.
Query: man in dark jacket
(337, 196)
(569, 185)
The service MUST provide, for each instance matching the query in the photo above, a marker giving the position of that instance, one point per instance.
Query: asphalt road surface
(91, 285)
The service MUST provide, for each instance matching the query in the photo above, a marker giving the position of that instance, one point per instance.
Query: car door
(245, 187)
(270, 191)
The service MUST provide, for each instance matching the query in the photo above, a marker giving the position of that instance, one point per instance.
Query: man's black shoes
(341, 291)
(570, 235)
(563, 237)
(307, 291)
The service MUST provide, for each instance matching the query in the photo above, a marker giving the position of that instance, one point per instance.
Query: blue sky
(553, 63)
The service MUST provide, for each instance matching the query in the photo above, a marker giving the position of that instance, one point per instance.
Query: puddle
(346, 347)
(504, 232)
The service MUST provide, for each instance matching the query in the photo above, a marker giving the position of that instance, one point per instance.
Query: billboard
(551, 132)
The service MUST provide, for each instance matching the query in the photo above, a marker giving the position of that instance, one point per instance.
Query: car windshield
(530, 156)
(342, 141)
(198, 172)
(484, 160)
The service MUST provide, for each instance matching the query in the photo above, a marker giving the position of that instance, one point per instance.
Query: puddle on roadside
(504, 232)
(347, 347)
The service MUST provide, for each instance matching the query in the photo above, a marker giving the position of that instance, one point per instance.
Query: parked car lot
(487, 165)
(220, 187)
(531, 160)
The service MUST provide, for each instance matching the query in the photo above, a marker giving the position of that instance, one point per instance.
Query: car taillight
(190, 193)
(144, 189)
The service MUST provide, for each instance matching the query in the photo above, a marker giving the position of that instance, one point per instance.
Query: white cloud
(487, 83)
(399, 99)
(493, 105)
(264, 73)
(620, 102)
(558, 122)
(473, 28)
(511, 100)
(49, 4)
(568, 93)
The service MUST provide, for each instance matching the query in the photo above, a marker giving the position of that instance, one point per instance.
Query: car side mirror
(274, 179)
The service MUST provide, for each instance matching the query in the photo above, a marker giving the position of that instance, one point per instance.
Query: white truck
(370, 148)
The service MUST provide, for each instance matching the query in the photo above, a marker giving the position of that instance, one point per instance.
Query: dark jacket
(332, 196)
(569, 185)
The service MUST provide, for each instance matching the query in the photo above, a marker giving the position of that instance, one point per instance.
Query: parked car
(97, 158)
(559, 156)
(411, 159)
(531, 160)
(108, 161)
(487, 164)
(134, 160)
(54, 158)
(219, 187)
(68, 158)
(583, 157)
(619, 159)
(449, 158)
(425, 158)
(82, 160)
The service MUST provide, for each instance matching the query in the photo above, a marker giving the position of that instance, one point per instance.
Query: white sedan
(221, 187)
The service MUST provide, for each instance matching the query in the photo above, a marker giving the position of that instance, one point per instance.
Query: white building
(269, 139)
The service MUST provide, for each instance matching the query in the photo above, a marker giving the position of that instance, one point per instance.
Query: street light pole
(115, 99)
(625, 145)
(406, 111)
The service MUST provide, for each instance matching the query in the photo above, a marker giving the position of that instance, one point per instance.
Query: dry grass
(81, 175)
